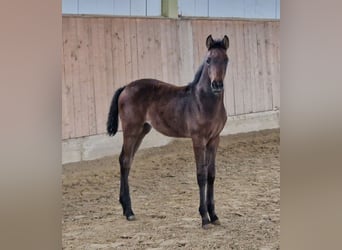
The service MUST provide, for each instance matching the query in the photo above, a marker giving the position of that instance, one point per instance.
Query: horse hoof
(207, 226)
(216, 222)
(130, 218)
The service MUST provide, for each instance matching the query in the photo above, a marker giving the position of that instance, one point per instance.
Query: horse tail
(113, 115)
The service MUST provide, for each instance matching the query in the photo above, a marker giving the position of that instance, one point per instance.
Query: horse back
(172, 110)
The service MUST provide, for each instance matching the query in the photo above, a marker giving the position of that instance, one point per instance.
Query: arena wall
(100, 54)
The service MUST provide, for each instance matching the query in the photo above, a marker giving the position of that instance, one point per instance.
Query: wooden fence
(101, 54)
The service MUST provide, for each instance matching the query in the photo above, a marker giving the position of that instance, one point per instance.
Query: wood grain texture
(69, 40)
(98, 66)
(101, 54)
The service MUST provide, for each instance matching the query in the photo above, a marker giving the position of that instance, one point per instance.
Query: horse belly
(169, 125)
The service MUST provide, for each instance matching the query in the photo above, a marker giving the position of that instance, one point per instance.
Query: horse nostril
(217, 85)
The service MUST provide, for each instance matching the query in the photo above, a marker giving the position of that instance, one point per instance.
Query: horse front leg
(210, 157)
(202, 176)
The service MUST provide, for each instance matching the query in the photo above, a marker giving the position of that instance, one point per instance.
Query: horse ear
(209, 42)
(225, 42)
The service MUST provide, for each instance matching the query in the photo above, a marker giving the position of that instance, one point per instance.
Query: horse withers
(194, 111)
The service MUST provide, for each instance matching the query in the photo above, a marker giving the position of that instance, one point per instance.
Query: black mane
(196, 77)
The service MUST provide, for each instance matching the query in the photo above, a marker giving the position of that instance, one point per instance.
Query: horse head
(217, 61)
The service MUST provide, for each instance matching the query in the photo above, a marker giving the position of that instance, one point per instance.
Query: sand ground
(165, 198)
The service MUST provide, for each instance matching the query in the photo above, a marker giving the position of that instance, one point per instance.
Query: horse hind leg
(146, 129)
(131, 144)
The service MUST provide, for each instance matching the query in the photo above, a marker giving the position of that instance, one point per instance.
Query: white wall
(265, 9)
(113, 7)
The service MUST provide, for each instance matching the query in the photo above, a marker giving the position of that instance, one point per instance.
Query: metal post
(170, 8)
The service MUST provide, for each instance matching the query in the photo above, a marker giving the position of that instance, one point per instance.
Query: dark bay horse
(194, 111)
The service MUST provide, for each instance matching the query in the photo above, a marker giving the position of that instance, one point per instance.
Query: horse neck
(204, 81)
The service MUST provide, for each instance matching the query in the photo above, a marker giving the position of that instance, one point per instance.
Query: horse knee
(125, 161)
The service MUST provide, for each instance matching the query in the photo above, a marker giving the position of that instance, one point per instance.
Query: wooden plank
(268, 68)
(203, 34)
(67, 88)
(156, 50)
(148, 49)
(128, 50)
(243, 65)
(165, 39)
(144, 59)
(169, 63)
(277, 34)
(254, 72)
(118, 56)
(214, 27)
(86, 76)
(265, 98)
(276, 77)
(90, 86)
(151, 50)
(196, 35)
(174, 54)
(69, 40)
(206, 29)
(81, 117)
(249, 56)
(134, 49)
(186, 71)
(98, 59)
(141, 46)
(259, 85)
(65, 93)
(140, 34)
(118, 53)
(109, 69)
(270, 59)
(240, 77)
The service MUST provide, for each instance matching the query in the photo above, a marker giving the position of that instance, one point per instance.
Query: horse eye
(208, 60)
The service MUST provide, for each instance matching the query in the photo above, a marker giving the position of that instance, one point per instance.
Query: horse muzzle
(216, 87)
